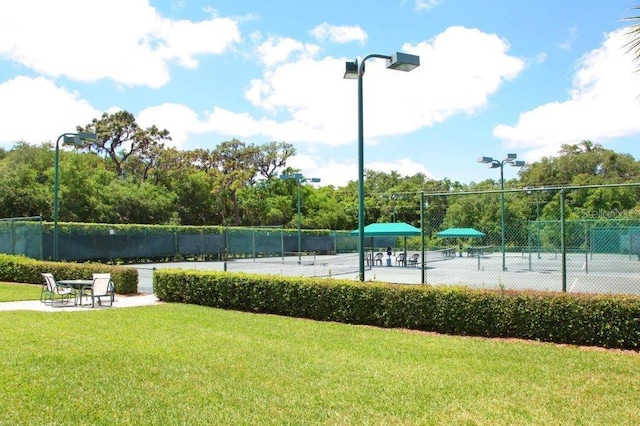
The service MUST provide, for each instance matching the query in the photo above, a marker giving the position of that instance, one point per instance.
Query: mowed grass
(11, 292)
(181, 364)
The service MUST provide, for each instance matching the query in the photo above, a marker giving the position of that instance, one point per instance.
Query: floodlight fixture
(351, 70)
(403, 61)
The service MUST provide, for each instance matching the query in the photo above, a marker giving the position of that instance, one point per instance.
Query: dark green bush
(21, 269)
(597, 320)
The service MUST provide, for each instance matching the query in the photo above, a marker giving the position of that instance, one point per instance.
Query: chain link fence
(555, 239)
(103, 242)
(533, 239)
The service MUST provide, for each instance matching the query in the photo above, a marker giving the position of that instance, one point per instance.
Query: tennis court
(590, 273)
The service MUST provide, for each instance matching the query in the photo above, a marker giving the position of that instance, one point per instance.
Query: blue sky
(496, 77)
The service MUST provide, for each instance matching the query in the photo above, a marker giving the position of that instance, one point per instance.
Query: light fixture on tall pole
(76, 139)
(393, 198)
(494, 164)
(355, 70)
(299, 179)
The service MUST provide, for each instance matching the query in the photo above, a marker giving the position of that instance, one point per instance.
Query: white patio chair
(102, 287)
(51, 290)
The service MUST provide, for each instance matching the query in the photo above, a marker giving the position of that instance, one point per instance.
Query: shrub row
(21, 269)
(594, 320)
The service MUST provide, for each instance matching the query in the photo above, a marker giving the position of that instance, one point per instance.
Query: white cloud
(571, 37)
(427, 4)
(339, 34)
(403, 166)
(38, 111)
(185, 40)
(231, 123)
(277, 50)
(330, 173)
(137, 51)
(178, 119)
(603, 104)
(339, 173)
(306, 101)
(541, 57)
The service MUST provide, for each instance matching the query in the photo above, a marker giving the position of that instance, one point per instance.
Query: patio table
(79, 286)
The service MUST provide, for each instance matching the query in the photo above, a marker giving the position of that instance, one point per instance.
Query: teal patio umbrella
(460, 233)
(387, 229)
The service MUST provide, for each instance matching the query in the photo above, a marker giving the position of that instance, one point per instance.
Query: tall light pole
(76, 139)
(494, 164)
(355, 69)
(393, 198)
(299, 179)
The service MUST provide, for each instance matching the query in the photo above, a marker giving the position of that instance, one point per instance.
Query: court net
(299, 264)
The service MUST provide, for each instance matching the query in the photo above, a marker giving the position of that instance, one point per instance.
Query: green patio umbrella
(460, 233)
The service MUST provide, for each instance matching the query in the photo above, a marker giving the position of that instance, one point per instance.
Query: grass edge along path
(184, 364)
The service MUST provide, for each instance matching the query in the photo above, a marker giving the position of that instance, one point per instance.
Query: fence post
(12, 225)
(175, 243)
(530, 244)
(226, 244)
(563, 242)
(586, 247)
(424, 261)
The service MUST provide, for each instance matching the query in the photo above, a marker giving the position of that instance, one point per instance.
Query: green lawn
(180, 364)
(10, 292)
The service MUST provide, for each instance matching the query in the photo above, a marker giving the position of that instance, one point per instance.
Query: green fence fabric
(22, 236)
(96, 242)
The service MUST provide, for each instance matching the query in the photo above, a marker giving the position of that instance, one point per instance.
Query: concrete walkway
(121, 301)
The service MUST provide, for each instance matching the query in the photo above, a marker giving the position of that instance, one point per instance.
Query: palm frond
(633, 33)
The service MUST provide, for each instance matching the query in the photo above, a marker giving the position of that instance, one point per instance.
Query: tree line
(129, 175)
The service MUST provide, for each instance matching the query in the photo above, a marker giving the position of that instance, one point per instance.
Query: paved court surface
(120, 302)
(600, 273)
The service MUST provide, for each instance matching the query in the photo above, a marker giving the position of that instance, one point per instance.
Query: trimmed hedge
(22, 269)
(594, 320)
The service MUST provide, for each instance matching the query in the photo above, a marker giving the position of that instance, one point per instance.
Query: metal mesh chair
(51, 291)
(102, 287)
